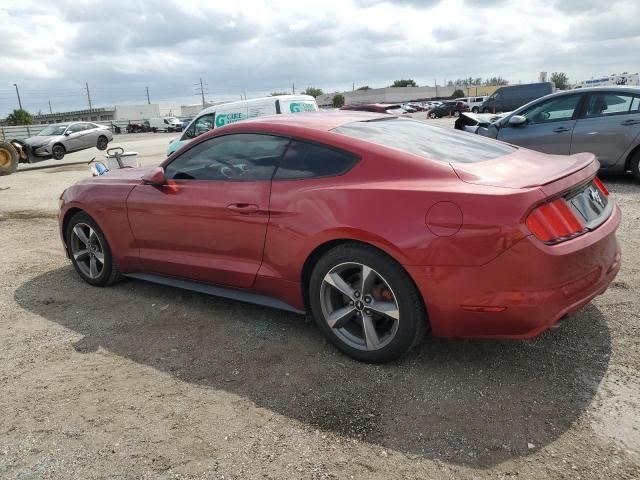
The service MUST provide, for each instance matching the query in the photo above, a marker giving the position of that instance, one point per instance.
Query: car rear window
(436, 143)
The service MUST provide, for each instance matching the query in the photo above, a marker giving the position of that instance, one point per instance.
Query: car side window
(635, 105)
(78, 127)
(201, 125)
(307, 160)
(606, 104)
(552, 110)
(237, 157)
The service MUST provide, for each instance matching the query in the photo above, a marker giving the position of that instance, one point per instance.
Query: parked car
(508, 98)
(601, 120)
(226, 113)
(381, 227)
(165, 124)
(138, 127)
(446, 109)
(475, 103)
(56, 140)
(186, 122)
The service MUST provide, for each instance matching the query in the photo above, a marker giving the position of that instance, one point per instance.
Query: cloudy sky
(50, 49)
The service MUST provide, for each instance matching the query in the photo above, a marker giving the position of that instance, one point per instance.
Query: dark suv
(449, 108)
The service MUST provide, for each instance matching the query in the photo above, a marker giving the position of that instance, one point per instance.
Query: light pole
(18, 93)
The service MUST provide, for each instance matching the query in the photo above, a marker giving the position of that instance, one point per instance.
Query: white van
(165, 124)
(220, 115)
(473, 102)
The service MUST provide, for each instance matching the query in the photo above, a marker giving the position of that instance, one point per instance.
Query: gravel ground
(145, 381)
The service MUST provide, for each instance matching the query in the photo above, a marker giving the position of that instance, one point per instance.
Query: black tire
(110, 273)
(456, 113)
(486, 110)
(58, 151)
(412, 322)
(635, 166)
(432, 115)
(102, 143)
(8, 159)
(475, 110)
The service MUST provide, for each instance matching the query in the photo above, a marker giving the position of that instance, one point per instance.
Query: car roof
(323, 121)
(610, 88)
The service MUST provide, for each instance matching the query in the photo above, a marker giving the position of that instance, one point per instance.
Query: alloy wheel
(359, 306)
(87, 250)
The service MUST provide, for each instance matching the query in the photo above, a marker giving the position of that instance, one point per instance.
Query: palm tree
(19, 117)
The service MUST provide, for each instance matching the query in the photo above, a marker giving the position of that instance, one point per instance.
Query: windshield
(53, 130)
(436, 143)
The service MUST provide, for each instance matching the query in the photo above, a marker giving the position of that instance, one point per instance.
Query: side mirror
(66, 134)
(155, 177)
(517, 121)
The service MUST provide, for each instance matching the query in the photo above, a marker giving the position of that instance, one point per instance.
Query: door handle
(630, 122)
(561, 129)
(243, 207)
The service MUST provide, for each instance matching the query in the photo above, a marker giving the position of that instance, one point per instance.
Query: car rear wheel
(486, 110)
(432, 115)
(475, 110)
(366, 304)
(90, 252)
(8, 159)
(456, 113)
(103, 142)
(635, 166)
(58, 151)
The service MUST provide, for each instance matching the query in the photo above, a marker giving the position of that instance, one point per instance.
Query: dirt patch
(146, 381)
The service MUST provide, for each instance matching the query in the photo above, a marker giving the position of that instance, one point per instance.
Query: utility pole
(436, 84)
(293, 88)
(50, 109)
(353, 87)
(89, 96)
(148, 98)
(201, 90)
(18, 93)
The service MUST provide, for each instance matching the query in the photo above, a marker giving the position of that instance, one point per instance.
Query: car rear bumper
(525, 290)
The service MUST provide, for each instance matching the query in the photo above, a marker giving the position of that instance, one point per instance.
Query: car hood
(41, 140)
(523, 169)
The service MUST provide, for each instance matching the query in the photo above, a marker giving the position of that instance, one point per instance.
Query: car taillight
(601, 186)
(554, 222)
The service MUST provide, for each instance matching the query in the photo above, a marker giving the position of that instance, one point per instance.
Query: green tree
(19, 117)
(276, 94)
(338, 100)
(457, 93)
(495, 81)
(561, 80)
(404, 83)
(364, 87)
(314, 92)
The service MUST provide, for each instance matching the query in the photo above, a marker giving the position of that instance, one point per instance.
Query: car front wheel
(58, 152)
(90, 252)
(456, 113)
(366, 304)
(432, 115)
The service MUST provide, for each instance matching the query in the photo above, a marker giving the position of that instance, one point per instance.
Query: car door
(76, 138)
(549, 125)
(208, 222)
(610, 123)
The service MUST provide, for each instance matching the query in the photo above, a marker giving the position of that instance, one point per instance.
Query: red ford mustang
(380, 227)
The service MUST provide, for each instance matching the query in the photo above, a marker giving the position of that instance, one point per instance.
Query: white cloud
(120, 46)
